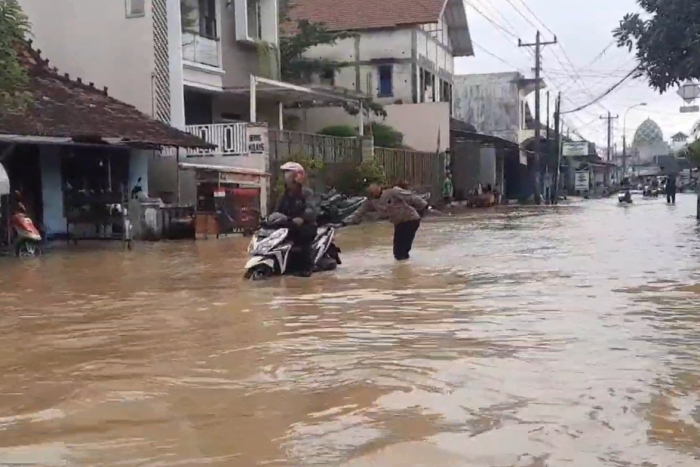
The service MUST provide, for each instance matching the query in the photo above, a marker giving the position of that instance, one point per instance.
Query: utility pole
(610, 118)
(538, 44)
(548, 117)
(557, 138)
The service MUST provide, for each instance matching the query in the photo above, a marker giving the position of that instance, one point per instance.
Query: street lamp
(624, 137)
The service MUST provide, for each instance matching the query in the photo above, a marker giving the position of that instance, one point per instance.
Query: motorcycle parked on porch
(27, 241)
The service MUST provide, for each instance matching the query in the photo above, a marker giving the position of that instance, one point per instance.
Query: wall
(52, 189)
(240, 60)
(95, 40)
(419, 123)
(490, 102)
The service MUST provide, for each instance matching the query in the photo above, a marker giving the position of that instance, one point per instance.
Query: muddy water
(539, 337)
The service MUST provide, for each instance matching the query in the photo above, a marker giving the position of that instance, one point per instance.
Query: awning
(228, 174)
(4, 182)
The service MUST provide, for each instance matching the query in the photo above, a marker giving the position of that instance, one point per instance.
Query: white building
(496, 104)
(401, 53)
(171, 59)
(184, 62)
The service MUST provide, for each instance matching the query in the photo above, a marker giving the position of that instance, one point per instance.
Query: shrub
(342, 131)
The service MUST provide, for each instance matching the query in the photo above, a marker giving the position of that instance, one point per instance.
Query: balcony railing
(198, 49)
(230, 139)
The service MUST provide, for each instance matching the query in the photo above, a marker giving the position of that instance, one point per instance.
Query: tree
(665, 43)
(14, 77)
(298, 68)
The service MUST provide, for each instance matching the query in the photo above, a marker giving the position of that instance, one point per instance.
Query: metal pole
(253, 99)
(538, 44)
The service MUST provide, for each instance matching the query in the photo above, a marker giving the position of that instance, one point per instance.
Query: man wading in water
(402, 207)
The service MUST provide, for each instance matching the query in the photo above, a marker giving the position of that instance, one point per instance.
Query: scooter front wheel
(28, 250)
(259, 272)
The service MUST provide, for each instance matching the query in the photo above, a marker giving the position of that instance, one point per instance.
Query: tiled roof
(66, 108)
(349, 15)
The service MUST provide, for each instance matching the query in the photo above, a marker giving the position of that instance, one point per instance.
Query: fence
(424, 171)
(336, 154)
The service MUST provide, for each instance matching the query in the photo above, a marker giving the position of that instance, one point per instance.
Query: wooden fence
(337, 155)
(424, 171)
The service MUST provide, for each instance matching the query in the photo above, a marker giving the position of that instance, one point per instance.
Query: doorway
(24, 170)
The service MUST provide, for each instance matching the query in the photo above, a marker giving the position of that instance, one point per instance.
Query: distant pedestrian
(448, 189)
(671, 189)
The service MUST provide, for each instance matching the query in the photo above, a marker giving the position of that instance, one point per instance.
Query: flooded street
(553, 336)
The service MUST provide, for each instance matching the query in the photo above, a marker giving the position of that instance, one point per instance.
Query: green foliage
(342, 131)
(296, 68)
(14, 78)
(692, 152)
(386, 136)
(666, 44)
(187, 16)
(357, 179)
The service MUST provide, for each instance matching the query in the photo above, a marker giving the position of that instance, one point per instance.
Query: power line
(606, 93)
(497, 57)
(498, 26)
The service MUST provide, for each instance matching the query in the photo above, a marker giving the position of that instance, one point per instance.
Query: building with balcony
(400, 53)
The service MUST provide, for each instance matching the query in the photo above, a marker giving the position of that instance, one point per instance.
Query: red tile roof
(349, 15)
(65, 108)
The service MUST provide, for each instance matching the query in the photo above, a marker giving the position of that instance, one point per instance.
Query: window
(135, 8)
(386, 85)
(254, 19)
(207, 19)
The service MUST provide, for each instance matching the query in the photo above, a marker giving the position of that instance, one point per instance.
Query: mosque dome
(648, 134)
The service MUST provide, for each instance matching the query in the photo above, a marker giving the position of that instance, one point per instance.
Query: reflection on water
(525, 337)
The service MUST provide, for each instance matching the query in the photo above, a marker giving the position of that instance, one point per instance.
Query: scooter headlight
(264, 246)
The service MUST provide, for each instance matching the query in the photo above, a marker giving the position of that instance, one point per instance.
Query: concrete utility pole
(610, 118)
(557, 138)
(538, 44)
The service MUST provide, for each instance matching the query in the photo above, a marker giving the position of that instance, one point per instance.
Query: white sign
(689, 92)
(575, 148)
(256, 138)
(523, 157)
(582, 180)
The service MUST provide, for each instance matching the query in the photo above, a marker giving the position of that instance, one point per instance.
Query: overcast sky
(583, 29)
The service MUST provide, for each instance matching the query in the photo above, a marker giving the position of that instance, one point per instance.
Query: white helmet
(296, 168)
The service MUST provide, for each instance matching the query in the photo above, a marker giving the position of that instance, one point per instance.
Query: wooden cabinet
(206, 225)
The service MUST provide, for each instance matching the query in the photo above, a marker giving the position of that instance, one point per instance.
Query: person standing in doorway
(402, 207)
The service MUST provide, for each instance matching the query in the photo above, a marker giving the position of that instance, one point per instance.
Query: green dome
(649, 133)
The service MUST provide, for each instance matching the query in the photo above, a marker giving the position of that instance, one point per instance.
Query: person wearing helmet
(298, 203)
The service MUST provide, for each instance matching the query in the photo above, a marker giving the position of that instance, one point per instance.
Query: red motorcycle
(27, 237)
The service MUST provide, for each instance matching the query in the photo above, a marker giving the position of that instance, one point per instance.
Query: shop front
(229, 199)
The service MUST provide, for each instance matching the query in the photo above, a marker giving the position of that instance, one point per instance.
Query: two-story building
(207, 66)
(401, 53)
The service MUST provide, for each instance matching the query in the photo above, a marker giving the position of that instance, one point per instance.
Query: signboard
(690, 109)
(523, 157)
(581, 182)
(575, 148)
(689, 92)
(256, 139)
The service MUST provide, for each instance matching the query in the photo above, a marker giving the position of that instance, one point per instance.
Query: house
(496, 104)
(210, 67)
(400, 53)
(75, 151)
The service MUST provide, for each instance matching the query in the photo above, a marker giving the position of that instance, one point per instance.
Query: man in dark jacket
(298, 203)
(671, 189)
(402, 207)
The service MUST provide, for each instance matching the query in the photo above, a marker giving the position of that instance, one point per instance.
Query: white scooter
(270, 250)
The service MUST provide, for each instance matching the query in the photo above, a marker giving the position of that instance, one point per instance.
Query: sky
(583, 65)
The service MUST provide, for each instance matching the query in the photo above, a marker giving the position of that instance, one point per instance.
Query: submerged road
(553, 336)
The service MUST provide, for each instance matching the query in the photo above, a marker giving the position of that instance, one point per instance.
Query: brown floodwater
(553, 336)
